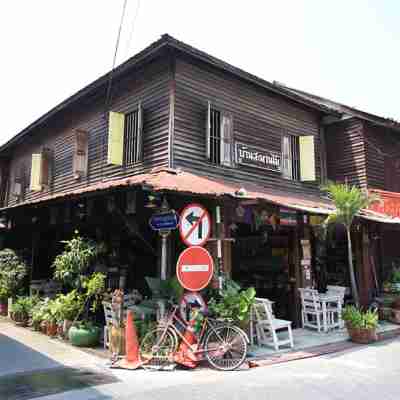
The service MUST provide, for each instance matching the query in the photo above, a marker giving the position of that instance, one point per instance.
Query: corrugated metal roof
(170, 180)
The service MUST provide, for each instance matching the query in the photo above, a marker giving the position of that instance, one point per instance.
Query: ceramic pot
(43, 327)
(20, 319)
(362, 335)
(4, 309)
(84, 337)
(51, 329)
(395, 315)
(66, 327)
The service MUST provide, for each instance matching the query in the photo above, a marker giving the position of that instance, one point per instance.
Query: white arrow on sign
(195, 225)
(195, 268)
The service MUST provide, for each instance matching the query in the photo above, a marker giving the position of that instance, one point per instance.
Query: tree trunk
(351, 269)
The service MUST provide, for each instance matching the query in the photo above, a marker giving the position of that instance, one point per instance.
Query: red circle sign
(194, 225)
(195, 268)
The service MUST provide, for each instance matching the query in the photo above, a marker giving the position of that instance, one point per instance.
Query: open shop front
(265, 254)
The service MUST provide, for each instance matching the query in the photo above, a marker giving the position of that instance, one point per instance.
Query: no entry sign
(195, 268)
(195, 225)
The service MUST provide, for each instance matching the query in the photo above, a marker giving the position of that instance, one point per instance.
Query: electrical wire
(108, 94)
(128, 43)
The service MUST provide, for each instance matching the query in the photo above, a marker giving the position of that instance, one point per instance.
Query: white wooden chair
(267, 326)
(335, 309)
(311, 310)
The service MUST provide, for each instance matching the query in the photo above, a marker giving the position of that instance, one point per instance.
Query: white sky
(344, 50)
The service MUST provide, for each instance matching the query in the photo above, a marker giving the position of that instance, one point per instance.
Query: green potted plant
(13, 271)
(85, 333)
(233, 305)
(70, 305)
(361, 325)
(38, 314)
(21, 310)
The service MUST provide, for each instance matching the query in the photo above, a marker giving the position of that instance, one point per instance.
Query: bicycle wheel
(157, 348)
(225, 347)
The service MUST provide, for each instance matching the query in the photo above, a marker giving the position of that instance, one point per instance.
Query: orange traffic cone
(131, 360)
(185, 355)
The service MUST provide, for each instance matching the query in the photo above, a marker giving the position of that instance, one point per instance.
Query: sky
(347, 51)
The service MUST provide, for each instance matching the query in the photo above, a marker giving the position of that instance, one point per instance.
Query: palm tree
(349, 201)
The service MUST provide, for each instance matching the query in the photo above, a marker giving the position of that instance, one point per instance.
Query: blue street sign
(164, 221)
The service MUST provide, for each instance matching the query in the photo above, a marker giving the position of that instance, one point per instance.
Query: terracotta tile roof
(170, 180)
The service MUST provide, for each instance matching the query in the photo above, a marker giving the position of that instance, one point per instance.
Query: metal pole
(163, 257)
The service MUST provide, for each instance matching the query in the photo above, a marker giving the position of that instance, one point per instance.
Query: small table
(325, 299)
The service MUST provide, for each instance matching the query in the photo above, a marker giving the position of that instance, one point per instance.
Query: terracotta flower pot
(51, 329)
(362, 335)
(20, 319)
(43, 327)
(4, 309)
(395, 315)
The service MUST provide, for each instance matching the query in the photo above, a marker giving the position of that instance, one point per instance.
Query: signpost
(195, 225)
(195, 268)
(164, 221)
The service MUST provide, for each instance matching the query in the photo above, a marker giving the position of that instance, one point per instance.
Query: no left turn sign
(195, 225)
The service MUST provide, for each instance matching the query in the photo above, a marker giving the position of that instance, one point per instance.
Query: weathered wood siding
(148, 85)
(382, 148)
(346, 159)
(260, 119)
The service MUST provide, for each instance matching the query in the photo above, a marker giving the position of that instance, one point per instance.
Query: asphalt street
(364, 372)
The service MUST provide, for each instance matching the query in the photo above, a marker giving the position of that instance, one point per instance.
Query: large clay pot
(4, 309)
(84, 337)
(395, 315)
(362, 335)
(20, 319)
(43, 327)
(66, 327)
(51, 329)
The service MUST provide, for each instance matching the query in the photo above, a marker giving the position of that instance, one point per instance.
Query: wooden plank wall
(380, 143)
(260, 118)
(148, 85)
(346, 159)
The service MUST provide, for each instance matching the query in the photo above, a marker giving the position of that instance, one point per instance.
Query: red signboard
(194, 268)
(389, 203)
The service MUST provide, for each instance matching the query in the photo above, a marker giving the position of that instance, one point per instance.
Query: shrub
(12, 273)
(357, 318)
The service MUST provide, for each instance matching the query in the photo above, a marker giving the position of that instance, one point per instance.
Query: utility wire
(128, 43)
(108, 94)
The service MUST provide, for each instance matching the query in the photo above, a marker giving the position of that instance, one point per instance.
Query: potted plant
(233, 305)
(85, 333)
(51, 317)
(70, 305)
(361, 325)
(38, 314)
(21, 310)
(12, 273)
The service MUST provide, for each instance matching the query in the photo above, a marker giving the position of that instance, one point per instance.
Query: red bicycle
(222, 344)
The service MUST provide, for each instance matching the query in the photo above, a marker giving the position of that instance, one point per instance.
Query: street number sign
(195, 268)
(195, 225)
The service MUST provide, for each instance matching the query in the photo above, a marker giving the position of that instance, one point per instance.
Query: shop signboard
(287, 216)
(258, 158)
(195, 225)
(195, 268)
(389, 203)
(164, 221)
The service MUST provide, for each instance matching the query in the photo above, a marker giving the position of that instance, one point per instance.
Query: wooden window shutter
(45, 168)
(208, 132)
(286, 158)
(116, 124)
(35, 185)
(139, 139)
(80, 161)
(307, 158)
(226, 139)
(18, 187)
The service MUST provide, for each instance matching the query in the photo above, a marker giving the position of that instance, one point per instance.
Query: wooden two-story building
(176, 125)
(364, 150)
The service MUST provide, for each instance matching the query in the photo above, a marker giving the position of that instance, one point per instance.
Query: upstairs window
(125, 137)
(298, 158)
(18, 187)
(41, 171)
(219, 137)
(133, 149)
(80, 159)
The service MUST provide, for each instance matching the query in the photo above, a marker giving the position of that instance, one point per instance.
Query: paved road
(365, 372)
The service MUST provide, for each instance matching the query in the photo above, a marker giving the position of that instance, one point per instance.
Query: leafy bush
(23, 306)
(233, 304)
(68, 306)
(73, 262)
(12, 273)
(357, 318)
